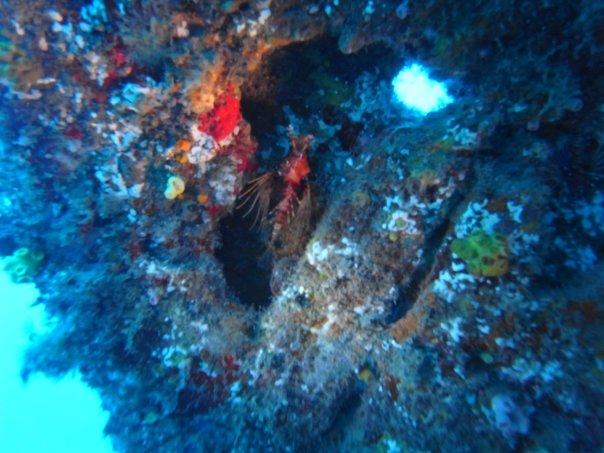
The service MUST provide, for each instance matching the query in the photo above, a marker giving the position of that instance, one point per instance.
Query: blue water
(42, 415)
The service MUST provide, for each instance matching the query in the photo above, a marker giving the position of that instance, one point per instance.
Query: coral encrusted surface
(245, 242)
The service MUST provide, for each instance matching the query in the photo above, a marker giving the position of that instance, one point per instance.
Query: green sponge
(485, 254)
(22, 265)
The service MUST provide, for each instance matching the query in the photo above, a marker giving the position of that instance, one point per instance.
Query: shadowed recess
(309, 77)
(247, 266)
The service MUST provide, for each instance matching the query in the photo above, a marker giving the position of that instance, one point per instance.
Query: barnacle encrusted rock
(364, 313)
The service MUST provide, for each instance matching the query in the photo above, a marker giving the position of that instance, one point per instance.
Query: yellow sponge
(22, 265)
(174, 187)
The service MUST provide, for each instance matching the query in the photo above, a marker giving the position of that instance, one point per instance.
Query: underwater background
(42, 414)
(285, 225)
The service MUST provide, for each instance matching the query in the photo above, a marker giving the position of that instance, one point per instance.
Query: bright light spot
(414, 88)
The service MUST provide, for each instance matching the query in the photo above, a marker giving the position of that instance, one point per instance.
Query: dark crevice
(311, 77)
(326, 85)
(409, 293)
(247, 266)
(346, 411)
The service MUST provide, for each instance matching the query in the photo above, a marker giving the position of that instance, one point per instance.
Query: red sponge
(223, 118)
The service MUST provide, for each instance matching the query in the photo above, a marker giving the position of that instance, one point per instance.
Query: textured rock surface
(352, 325)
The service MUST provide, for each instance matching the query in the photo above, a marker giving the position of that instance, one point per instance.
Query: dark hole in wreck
(247, 265)
(277, 84)
(307, 77)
